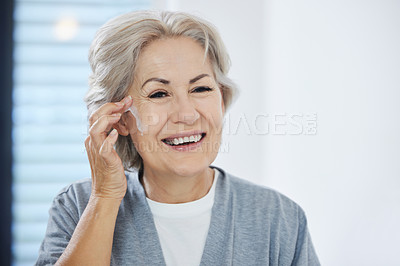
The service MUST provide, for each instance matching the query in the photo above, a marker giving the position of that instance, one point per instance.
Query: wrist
(104, 205)
(102, 194)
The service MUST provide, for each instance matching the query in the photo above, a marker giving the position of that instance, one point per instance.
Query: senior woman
(157, 98)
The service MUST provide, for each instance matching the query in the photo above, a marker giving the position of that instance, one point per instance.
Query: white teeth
(177, 141)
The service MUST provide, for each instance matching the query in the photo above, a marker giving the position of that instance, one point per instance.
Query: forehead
(173, 59)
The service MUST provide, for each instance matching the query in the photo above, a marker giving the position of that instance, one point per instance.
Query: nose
(184, 112)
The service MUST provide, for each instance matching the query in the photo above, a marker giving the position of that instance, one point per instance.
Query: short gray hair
(115, 50)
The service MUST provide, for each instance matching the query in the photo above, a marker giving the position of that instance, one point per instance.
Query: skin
(181, 106)
(169, 176)
(91, 242)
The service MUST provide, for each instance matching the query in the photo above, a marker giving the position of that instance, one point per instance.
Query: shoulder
(75, 196)
(76, 188)
(267, 223)
(256, 198)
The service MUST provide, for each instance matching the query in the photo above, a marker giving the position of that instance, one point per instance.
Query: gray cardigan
(250, 225)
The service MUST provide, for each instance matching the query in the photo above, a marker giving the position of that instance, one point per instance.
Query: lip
(187, 147)
(185, 134)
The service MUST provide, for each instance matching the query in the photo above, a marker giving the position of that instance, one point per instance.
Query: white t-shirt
(183, 228)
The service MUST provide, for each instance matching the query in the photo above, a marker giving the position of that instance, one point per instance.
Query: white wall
(339, 60)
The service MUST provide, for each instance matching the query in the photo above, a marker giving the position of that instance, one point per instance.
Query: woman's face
(177, 112)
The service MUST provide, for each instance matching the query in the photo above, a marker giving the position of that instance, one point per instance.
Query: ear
(122, 126)
(222, 98)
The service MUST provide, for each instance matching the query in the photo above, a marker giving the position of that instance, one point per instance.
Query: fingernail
(127, 99)
(119, 104)
(116, 114)
(113, 132)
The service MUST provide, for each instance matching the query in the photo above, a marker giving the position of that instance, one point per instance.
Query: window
(52, 39)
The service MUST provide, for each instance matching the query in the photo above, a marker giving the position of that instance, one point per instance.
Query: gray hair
(115, 50)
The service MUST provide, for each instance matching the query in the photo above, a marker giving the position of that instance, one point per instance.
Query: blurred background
(317, 117)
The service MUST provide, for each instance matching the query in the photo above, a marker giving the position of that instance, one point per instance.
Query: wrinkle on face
(175, 67)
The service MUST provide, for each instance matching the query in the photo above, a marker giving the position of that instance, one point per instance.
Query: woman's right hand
(108, 177)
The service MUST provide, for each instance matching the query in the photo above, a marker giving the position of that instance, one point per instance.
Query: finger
(105, 109)
(89, 153)
(110, 108)
(107, 151)
(99, 130)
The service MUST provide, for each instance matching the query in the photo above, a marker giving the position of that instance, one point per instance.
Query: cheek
(153, 122)
(215, 111)
(145, 129)
(213, 121)
(151, 119)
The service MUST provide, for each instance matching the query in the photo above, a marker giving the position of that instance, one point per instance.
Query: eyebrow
(163, 81)
(193, 80)
(166, 82)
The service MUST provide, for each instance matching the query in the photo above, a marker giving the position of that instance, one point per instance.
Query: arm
(91, 242)
(88, 241)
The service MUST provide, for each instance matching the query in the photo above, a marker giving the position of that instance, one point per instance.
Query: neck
(169, 188)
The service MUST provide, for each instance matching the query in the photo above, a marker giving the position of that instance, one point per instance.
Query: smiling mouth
(181, 141)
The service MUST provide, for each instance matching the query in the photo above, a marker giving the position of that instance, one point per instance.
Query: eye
(202, 89)
(158, 94)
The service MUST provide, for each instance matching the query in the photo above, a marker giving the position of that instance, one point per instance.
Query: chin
(189, 168)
